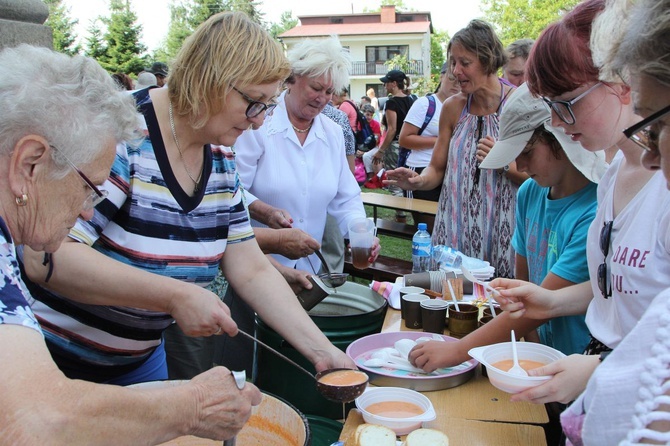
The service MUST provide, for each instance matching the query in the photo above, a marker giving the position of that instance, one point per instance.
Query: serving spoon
(516, 368)
(333, 280)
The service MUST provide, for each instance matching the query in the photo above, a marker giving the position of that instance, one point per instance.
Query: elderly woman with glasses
(295, 164)
(174, 216)
(61, 119)
(628, 245)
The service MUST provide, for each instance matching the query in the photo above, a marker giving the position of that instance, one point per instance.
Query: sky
(154, 16)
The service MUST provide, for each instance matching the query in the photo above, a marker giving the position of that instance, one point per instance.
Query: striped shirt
(149, 222)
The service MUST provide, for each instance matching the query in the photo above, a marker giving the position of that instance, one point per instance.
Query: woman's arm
(262, 287)
(85, 275)
(410, 138)
(41, 406)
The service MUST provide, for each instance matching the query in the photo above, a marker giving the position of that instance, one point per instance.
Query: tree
(438, 51)
(518, 19)
(286, 22)
(95, 45)
(124, 49)
(62, 26)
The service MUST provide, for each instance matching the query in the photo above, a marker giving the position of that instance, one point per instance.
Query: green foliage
(123, 47)
(95, 45)
(187, 15)
(286, 22)
(438, 51)
(518, 19)
(62, 26)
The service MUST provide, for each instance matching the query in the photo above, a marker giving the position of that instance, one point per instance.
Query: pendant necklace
(196, 182)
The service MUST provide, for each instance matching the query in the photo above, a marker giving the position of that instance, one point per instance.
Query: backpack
(404, 153)
(365, 139)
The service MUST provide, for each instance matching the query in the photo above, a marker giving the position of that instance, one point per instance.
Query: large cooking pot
(351, 312)
(274, 422)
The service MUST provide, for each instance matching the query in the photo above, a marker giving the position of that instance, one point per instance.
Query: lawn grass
(398, 248)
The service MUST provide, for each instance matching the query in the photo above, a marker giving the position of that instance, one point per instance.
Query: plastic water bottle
(421, 250)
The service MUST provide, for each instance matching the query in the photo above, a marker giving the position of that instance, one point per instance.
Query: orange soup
(394, 409)
(525, 364)
(344, 378)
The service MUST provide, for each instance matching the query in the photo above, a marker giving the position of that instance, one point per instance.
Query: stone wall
(22, 21)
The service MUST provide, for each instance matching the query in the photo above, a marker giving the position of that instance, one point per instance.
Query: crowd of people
(245, 162)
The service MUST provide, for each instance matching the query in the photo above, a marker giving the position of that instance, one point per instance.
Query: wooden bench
(395, 229)
(385, 269)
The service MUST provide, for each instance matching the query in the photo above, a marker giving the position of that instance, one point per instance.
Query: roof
(348, 29)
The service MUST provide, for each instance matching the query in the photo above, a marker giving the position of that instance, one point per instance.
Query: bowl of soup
(497, 359)
(402, 410)
(341, 385)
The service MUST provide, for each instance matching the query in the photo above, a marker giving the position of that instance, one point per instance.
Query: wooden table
(398, 203)
(474, 413)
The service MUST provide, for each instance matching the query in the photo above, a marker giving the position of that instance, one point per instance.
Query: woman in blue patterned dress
(476, 207)
(61, 118)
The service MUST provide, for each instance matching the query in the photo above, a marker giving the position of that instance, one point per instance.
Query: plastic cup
(433, 315)
(362, 233)
(408, 290)
(413, 309)
(463, 322)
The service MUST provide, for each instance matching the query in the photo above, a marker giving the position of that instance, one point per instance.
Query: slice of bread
(372, 435)
(425, 437)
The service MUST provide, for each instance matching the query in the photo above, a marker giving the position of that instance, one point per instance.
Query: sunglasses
(605, 237)
(563, 109)
(643, 133)
(255, 107)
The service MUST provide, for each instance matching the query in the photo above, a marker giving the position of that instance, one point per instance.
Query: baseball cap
(393, 76)
(159, 69)
(521, 115)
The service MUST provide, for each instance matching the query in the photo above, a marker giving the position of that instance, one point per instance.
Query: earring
(22, 200)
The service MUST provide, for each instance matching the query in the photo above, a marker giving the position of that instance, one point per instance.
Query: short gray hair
(367, 108)
(519, 48)
(314, 58)
(70, 101)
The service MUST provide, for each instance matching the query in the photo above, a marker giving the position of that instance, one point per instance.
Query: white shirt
(309, 181)
(624, 392)
(638, 260)
(416, 116)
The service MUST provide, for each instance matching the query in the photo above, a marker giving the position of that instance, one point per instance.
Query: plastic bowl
(508, 382)
(401, 426)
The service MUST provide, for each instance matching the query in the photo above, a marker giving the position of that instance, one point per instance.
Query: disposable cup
(362, 233)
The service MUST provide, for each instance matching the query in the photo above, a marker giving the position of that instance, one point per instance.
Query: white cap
(521, 115)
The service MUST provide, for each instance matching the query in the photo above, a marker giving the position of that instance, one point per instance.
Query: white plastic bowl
(401, 426)
(508, 382)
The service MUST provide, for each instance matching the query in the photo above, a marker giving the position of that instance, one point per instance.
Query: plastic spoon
(378, 362)
(516, 368)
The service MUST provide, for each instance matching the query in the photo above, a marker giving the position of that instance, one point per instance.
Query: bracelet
(604, 355)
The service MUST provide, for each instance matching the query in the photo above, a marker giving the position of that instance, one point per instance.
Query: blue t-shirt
(15, 300)
(551, 235)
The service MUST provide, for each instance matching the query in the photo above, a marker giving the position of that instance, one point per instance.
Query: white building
(372, 39)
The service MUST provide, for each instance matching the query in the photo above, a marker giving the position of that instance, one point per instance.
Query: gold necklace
(196, 182)
(301, 130)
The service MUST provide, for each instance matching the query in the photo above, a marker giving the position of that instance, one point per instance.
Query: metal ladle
(332, 280)
(340, 394)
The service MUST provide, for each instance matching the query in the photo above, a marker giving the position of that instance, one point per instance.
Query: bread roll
(372, 435)
(425, 437)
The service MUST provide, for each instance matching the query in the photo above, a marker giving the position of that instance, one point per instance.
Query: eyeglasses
(605, 236)
(563, 109)
(255, 107)
(96, 196)
(643, 134)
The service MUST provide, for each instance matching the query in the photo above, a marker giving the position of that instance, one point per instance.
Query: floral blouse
(15, 300)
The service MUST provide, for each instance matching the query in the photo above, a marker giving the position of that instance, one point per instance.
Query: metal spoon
(333, 280)
(516, 368)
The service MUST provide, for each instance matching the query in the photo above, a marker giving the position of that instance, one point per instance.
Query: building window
(376, 56)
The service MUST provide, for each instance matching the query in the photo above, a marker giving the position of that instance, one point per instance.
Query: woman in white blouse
(295, 165)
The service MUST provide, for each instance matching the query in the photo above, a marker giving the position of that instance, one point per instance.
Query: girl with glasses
(628, 244)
